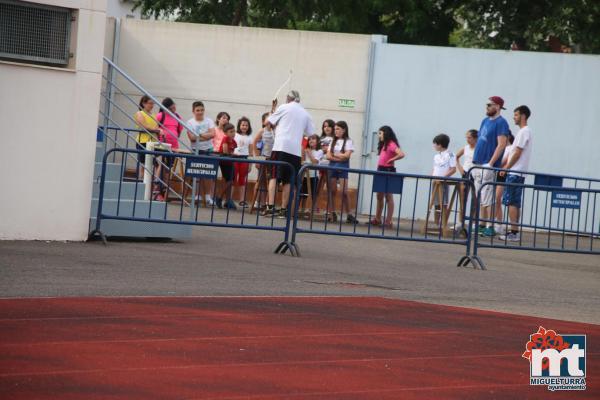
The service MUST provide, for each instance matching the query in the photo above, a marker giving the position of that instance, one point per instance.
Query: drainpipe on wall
(366, 136)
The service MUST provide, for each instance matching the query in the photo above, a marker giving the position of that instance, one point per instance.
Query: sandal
(388, 225)
(375, 222)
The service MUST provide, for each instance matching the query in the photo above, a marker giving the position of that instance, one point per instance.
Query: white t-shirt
(524, 141)
(292, 122)
(316, 154)
(468, 157)
(268, 139)
(243, 144)
(337, 149)
(200, 128)
(442, 162)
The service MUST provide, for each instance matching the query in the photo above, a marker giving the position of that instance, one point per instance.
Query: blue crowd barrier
(415, 198)
(183, 210)
(557, 213)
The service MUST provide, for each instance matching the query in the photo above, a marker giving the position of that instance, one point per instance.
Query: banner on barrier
(202, 168)
(566, 199)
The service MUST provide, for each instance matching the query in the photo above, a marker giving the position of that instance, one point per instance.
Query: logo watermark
(556, 361)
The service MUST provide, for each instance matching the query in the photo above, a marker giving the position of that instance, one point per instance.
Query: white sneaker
(500, 229)
(511, 237)
(209, 201)
(198, 197)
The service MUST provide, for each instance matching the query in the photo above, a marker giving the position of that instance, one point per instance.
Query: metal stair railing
(127, 132)
(107, 115)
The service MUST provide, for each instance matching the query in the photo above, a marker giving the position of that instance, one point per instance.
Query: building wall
(422, 91)
(49, 118)
(238, 70)
(122, 9)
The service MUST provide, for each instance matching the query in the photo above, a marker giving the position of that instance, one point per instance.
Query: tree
(405, 21)
(531, 23)
(467, 23)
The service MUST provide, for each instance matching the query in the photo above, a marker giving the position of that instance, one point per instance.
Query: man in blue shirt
(493, 136)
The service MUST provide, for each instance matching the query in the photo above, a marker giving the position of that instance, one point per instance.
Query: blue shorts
(512, 194)
(339, 174)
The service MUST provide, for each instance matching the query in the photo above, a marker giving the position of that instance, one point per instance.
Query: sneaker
(230, 205)
(159, 197)
(269, 211)
(480, 230)
(511, 237)
(198, 198)
(351, 219)
(489, 232)
(282, 214)
(243, 204)
(500, 229)
(219, 202)
(210, 201)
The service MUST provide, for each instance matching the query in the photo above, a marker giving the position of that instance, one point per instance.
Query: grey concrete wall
(422, 91)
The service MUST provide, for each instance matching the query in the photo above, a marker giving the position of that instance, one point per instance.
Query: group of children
(333, 147)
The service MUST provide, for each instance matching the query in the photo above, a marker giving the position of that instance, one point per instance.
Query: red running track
(269, 348)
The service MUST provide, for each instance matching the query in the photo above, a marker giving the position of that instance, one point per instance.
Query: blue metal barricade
(426, 208)
(551, 213)
(165, 203)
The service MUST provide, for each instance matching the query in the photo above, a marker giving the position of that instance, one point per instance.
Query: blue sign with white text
(204, 168)
(566, 199)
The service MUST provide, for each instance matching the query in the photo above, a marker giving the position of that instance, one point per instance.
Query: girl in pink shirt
(171, 129)
(389, 151)
(222, 119)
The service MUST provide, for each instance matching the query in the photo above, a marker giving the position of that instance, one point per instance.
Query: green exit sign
(346, 103)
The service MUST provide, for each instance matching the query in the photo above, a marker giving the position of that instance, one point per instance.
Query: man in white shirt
(291, 122)
(518, 161)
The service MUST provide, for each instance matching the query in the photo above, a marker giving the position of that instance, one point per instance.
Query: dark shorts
(500, 178)
(337, 173)
(141, 157)
(313, 186)
(284, 175)
(227, 171)
(512, 194)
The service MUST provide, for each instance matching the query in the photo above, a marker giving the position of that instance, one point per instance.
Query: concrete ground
(221, 261)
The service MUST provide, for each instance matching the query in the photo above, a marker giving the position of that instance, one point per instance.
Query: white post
(148, 167)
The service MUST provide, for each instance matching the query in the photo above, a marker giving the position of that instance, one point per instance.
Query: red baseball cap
(498, 100)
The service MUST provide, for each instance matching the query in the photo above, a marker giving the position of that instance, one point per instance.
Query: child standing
(500, 178)
(326, 138)
(266, 137)
(389, 151)
(170, 131)
(202, 142)
(467, 151)
(149, 130)
(312, 154)
(226, 149)
(444, 165)
(339, 154)
(243, 139)
(463, 168)
(222, 119)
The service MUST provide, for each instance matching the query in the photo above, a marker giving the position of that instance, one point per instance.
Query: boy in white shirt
(518, 161)
(444, 165)
(201, 140)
